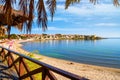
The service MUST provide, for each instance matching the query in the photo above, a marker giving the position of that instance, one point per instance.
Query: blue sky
(102, 19)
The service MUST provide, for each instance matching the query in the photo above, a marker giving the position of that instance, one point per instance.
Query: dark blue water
(105, 52)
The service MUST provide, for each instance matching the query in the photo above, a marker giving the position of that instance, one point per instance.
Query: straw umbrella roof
(18, 17)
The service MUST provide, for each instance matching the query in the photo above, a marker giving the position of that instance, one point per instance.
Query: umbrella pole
(8, 30)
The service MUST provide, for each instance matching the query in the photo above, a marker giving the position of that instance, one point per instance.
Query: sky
(102, 19)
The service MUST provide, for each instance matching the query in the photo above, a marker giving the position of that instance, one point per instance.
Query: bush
(4, 37)
(13, 36)
(22, 37)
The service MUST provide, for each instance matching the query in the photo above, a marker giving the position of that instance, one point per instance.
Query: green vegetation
(22, 37)
(36, 52)
(14, 36)
(3, 37)
(32, 54)
(32, 66)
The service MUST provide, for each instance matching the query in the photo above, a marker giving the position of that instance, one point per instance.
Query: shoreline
(91, 72)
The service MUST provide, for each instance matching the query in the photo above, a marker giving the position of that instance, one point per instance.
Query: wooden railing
(17, 62)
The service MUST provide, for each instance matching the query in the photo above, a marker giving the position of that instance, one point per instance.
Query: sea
(103, 52)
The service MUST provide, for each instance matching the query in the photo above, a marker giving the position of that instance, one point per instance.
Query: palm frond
(68, 2)
(93, 1)
(42, 15)
(52, 7)
(23, 6)
(31, 10)
(116, 2)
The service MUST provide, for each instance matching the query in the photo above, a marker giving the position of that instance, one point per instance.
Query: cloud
(58, 19)
(86, 10)
(65, 29)
(106, 24)
(36, 29)
(60, 29)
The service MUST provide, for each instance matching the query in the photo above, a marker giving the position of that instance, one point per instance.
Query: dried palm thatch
(17, 18)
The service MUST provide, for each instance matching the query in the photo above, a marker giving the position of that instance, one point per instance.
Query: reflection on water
(103, 52)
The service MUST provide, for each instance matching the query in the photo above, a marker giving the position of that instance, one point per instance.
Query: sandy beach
(88, 71)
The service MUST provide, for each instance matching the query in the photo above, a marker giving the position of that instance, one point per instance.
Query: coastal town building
(60, 37)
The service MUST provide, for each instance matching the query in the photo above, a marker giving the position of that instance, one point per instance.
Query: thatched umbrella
(17, 19)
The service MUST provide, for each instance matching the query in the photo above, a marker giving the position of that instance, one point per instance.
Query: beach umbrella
(17, 19)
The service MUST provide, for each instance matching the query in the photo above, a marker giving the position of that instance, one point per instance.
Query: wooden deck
(6, 73)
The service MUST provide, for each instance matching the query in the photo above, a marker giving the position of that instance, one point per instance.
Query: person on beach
(10, 44)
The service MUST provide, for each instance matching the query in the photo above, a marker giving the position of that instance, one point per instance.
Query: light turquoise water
(105, 52)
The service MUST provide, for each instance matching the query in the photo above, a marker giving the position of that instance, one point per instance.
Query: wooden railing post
(51, 75)
(2, 53)
(47, 75)
(21, 67)
(9, 60)
(44, 73)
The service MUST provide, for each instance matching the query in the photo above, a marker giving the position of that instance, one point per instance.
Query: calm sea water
(105, 52)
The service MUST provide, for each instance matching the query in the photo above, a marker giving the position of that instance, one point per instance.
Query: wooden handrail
(45, 68)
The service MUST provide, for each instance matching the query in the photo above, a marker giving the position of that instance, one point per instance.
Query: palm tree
(27, 6)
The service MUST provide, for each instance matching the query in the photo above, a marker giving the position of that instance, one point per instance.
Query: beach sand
(84, 70)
